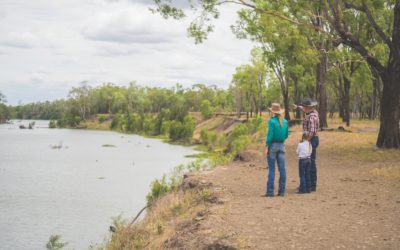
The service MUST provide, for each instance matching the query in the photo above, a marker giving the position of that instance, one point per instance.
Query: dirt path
(352, 209)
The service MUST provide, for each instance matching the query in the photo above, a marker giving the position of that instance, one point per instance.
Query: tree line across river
(165, 111)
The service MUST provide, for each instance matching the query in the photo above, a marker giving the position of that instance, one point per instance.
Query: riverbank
(356, 206)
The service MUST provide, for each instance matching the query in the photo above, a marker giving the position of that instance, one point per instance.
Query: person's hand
(266, 151)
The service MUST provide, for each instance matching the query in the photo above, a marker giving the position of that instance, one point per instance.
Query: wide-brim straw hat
(276, 108)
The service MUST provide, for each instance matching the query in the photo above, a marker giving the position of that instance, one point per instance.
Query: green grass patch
(199, 155)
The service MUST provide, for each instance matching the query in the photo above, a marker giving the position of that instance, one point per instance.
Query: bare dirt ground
(356, 206)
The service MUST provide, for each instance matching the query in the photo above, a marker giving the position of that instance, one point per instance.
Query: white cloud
(106, 41)
(27, 40)
(130, 25)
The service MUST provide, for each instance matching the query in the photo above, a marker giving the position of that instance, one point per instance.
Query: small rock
(199, 218)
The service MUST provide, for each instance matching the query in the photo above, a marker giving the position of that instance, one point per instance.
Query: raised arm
(298, 107)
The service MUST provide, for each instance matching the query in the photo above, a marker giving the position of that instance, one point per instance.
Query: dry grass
(391, 172)
(359, 146)
(161, 222)
(96, 125)
(355, 124)
(242, 242)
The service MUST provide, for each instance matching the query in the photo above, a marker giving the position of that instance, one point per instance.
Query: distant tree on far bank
(4, 110)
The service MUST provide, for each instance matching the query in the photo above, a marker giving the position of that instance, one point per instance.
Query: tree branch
(350, 40)
(364, 8)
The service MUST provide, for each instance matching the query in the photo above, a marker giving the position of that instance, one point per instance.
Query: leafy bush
(68, 120)
(209, 138)
(256, 124)
(54, 243)
(239, 144)
(182, 131)
(239, 130)
(102, 118)
(52, 124)
(118, 122)
(206, 109)
(176, 130)
(165, 127)
(157, 189)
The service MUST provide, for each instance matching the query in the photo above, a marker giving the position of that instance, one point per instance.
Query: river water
(66, 182)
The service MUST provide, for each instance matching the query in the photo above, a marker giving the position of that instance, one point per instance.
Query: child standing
(304, 150)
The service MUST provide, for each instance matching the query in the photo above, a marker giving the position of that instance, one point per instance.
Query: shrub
(239, 130)
(68, 119)
(256, 124)
(52, 124)
(203, 136)
(157, 189)
(209, 138)
(189, 125)
(182, 131)
(54, 243)
(239, 144)
(102, 118)
(118, 122)
(175, 130)
(165, 127)
(149, 125)
(206, 109)
(162, 186)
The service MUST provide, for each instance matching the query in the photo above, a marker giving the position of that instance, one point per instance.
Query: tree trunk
(260, 82)
(376, 93)
(321, 90)
(296, 96)
(284, 90)
(285, 94)
(346, 101)
(286, 104)
(389, 131)
(341, 112)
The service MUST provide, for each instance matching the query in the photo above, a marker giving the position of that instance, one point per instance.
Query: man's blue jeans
(304, 174)
(276, 152)
(313, 170)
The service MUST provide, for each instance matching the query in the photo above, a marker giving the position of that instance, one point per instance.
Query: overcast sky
(48, 46)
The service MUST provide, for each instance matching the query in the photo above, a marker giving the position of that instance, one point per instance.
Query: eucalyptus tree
(195, 95)
(4, 110)
(334, 21)
(249, 83)
(104, 97)
(260, 72)
(3, 98)
(286, 51)
(242, 86)
(81, 99)
(383, 17)
(345, 63)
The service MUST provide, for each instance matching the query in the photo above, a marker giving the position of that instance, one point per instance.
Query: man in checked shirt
(311, 125)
